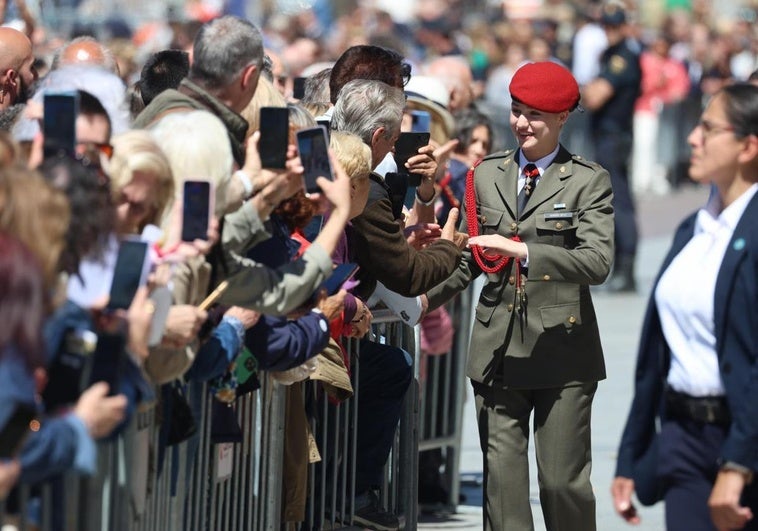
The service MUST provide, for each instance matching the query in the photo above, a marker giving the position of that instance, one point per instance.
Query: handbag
(181, 421)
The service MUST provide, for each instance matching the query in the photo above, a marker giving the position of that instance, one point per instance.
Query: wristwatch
(426, 203)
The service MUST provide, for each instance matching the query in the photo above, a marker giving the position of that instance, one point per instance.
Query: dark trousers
(612, 153)
(383, 378)
(688, 456)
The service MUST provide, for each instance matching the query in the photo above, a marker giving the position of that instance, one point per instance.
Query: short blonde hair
(265, 95)
(137, 151)
(197, 146)
(352, 154)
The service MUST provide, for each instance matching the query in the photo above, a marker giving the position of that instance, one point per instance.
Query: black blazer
(736, 327)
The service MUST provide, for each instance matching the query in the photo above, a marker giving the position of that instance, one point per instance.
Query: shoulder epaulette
(585, 162)
(499, 155)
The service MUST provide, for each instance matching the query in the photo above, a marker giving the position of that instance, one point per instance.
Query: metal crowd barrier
(442, 398)
(199, 485)
(331, 484)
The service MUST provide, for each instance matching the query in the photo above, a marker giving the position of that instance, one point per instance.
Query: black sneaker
(372, 516)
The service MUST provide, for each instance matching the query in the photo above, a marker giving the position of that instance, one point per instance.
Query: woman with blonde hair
(142, 183)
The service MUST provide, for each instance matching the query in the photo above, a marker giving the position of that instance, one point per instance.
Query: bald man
(17, 72)
(85, 51)
(455, 72)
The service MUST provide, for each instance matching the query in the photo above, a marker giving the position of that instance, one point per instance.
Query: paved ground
(620, 318)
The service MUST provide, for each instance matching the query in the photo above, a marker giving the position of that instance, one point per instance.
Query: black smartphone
(108, 361)
(298, 88)
(327, 125)
(59, 123)
(275, 133)
(314, 155)
(69, 373)
(313, 228)
(15, 430)
(421, 121)
(339, 276)
(132, 268)
(398, 186)
(197, 205)
(407, 146)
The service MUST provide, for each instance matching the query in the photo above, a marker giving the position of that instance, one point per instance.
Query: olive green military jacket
(567, 225)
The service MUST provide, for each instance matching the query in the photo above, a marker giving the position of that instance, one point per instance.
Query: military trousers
(563, 450)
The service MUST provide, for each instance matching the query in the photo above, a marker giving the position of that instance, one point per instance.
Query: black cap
(612, 15)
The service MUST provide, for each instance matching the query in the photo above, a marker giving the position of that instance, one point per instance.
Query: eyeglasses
(710, 129)
(104, 149)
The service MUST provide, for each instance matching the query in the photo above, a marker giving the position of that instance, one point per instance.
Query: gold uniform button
(512, 280)
(563, 169)
(558, 225)
(546, 277)
(510, 307)
(572, 319)
(514, 226)
(484, 219)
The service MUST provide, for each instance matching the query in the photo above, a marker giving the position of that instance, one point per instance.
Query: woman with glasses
(697, 367)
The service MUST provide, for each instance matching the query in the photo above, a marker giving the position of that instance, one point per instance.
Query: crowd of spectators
(178, 100)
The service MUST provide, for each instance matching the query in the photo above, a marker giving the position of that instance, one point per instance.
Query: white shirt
(589, 43)
(685, 294)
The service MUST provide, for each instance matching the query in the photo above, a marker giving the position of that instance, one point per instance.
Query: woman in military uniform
(541, 227)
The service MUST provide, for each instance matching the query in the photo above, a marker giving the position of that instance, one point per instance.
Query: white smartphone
(162, 299)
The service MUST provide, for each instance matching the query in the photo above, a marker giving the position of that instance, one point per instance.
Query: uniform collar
(541, 164)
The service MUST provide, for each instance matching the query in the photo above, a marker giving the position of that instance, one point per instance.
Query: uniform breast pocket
(558, 228)
(489, 219)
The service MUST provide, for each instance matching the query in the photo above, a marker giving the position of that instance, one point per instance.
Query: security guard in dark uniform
(611, 98)
(540, 222)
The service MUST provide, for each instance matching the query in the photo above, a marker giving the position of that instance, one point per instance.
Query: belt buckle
(710, 412)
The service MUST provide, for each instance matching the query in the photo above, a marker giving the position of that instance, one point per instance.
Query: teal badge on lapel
(738, 244)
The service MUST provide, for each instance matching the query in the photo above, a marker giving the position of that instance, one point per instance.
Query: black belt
(706, 409)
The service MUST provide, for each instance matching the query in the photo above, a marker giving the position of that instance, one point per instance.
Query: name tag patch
(558, 215)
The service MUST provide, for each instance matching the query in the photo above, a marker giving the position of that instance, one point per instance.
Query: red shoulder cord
(449, 195)
(487, 264)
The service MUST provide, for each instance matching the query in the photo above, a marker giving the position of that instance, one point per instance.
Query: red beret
(546, 86)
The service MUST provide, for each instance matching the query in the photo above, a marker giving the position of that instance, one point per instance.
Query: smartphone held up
(314, 155)
(197, 208)
(274, 140)
(59, 123)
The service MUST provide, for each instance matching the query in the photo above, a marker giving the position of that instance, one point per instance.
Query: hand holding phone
(274, 140)
(314, 155)
(197, 208)
(407, 146)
